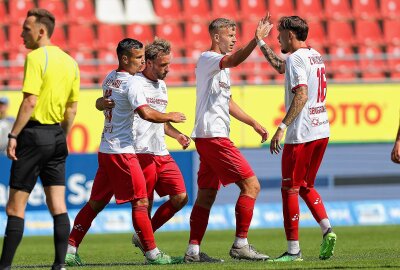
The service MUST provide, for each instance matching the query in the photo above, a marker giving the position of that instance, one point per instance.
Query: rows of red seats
(360, 38)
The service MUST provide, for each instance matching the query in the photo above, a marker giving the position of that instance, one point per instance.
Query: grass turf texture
(375, 247)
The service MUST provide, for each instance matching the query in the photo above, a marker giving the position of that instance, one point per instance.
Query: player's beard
(284, 51)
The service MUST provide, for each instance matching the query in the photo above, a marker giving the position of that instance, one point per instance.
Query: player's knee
(179, 201)
(141, 202)
(97, 206)
(250, 187)
(14, 210)
(206, 197)
(290, 190)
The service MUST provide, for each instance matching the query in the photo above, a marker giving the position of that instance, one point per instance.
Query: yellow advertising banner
(362, 113)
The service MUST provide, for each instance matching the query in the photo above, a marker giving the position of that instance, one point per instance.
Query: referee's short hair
(44, 17)
(126, 45)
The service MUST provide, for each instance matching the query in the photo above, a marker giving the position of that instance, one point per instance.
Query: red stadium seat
(391, 31)
(196, 10)
(279, 8)
(394, 59)
(340, 33)
(3, 40)
(14, 38)
(196, 35)
(310, 9)
(256, 64)
(87, 66)
(316, 34)
(108, 61)
(368, 32)
(365, 9)
(177, 70)
(371, 58)
(57, 7)
(81, 11)
(109, 35)
(141, 32)
(58, 38)
(225, 8)
(18, 10)
(390, 8)
(249, 27)
(168, 9)
(16, 69)
(342, 60)
(82, 37)
(171, 32)
(3, 13)
(338, 9)
(255, 9)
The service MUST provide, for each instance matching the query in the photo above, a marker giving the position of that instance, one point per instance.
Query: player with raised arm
(307, 134)
(119, 172)
(220, 161)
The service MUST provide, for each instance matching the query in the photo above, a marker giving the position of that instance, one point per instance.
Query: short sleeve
(297, 72)
(74, 96)
(32, 76)
(210, 63)
(136, 95)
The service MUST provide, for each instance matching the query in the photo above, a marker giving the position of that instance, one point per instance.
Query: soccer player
(307, 135)
(220, 161)
(159, 168)
(119, 172)
(396, 148)
(37, 143)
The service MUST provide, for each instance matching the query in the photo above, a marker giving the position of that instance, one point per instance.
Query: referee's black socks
(61, 234)
(12, 238)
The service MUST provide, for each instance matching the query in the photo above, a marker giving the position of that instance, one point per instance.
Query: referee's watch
(12, 136)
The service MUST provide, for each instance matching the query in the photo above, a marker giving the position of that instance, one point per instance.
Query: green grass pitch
(374, 247)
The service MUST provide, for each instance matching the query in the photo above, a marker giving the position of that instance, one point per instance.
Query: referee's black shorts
(41, 151)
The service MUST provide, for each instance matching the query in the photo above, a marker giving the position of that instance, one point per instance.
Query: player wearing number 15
(307, 133)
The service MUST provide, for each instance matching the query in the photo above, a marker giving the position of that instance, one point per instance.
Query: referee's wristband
(260, 43)
(282, 126)
(12, 136)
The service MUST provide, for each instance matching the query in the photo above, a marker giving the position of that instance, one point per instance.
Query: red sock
(164, 213)
(244, 213)
(141, 223)
(81, 225)
(291, 213)
(198, 224)
(314, 202)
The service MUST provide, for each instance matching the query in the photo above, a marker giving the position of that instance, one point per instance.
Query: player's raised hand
(263, 28)
(183, 140)
(176, 117)
(262, 131)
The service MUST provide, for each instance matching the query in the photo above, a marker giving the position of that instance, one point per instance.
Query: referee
(37, 142)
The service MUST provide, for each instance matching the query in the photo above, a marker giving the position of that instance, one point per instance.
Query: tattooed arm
(276, 62)
(298, 103)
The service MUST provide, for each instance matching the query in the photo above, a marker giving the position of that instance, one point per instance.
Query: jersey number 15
(321, 84)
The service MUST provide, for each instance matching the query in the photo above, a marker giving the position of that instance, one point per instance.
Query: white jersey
(117, 135)
(213, 94)
(306, 67)
(148, 137)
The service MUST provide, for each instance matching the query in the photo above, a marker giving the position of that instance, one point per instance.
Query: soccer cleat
(201, 257)
(163, 258)
(287, 257)
(58, 267)
(73, 260)
(247, 252)
(327, 246)
(136, 242)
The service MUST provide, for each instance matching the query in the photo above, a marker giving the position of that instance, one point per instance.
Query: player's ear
(124, 59)
(216, 37)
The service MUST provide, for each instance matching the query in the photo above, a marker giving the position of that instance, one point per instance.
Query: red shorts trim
(300, 163)
(119, 175)
(220, 163)
(162, 175)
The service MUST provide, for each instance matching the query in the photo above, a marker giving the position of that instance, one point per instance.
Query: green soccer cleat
(163, 258)
(73, 260)
(327, 246)
(287, 257)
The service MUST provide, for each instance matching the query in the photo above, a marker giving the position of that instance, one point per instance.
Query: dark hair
(296, 24)
(126, 45)
(220, 23)
(44, 17)
(156, 48)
